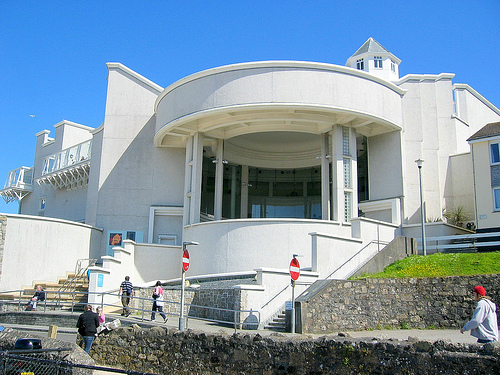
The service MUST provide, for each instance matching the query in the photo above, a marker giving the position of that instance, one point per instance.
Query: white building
(257, 161)
(485, 153)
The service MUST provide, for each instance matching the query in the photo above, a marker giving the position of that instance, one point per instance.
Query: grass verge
(439, 265)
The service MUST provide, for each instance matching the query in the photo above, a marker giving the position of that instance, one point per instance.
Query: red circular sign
(185, 260)
(294, 269)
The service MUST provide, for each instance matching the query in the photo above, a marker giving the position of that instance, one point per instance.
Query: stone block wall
(445, 302)
(168, 351)
(219, 301)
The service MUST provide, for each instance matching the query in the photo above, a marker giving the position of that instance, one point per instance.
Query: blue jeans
(88, 340)
(160, 310)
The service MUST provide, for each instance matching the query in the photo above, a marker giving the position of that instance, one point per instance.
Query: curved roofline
(277, 64)
(199, 114)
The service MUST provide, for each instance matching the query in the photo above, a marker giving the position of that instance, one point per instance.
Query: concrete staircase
(278, 323)
(68, 292)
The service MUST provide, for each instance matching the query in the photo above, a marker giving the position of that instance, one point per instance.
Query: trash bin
(28, 344)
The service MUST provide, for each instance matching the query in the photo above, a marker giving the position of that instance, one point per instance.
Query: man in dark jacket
(38, 296)
(87, 326)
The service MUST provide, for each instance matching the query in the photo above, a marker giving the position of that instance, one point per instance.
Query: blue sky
(53, 54)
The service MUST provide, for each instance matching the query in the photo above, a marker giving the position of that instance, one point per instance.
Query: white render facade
(258, 161)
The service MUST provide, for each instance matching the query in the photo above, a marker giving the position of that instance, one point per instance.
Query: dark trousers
(125, 303)
(160, 310)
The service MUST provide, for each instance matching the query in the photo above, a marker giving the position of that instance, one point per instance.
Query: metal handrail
(276, 295)
(142, 310)
(378, 242)
(469, 241)
(79, 273)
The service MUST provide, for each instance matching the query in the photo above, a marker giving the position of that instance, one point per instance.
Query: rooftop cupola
(373, 58)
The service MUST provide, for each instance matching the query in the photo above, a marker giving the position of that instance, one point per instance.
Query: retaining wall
(442, 302)
(168, 351)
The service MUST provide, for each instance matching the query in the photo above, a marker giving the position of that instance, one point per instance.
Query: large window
(284, 193)
(378, 62)
(495, 154)
(362, 153)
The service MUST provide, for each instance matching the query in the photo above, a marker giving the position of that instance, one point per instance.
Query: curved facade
(258, 161)
(271, 118)
(277, 95)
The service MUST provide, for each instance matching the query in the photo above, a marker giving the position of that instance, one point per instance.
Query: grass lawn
(437, 265)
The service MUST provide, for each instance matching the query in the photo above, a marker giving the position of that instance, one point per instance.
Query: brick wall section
(445, 302)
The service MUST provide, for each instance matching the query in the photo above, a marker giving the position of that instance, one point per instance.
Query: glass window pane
(496, 196)
(495, 155)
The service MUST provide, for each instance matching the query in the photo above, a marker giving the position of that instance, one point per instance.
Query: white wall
(275, 82)
(459, 189)
(428, 134)
(487, 217)
(42, 249)
(243, 245)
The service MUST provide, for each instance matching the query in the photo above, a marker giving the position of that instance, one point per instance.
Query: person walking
(87, 327)
(484, 324)
(158, 302)
(127, 293)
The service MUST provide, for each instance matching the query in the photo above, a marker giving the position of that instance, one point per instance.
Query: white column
(354, 171)
(188, 173)
(233, 192)
(337, 174)
(325, 178)
(192, 180)
(244, 192)
(197, 174)
(219, 179)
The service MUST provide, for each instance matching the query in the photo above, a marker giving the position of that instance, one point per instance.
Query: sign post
(294, 274)
(185, 267)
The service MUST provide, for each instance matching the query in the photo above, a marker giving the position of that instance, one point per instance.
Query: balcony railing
(19, 184)
(77, 154)
(68, 168)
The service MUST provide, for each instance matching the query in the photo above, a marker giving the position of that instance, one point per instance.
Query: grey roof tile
(372, 46)
(489, 130)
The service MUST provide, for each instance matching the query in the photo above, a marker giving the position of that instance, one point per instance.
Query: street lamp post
(183, 284)
(422, 205)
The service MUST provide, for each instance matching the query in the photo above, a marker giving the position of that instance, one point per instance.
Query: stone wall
(168, 351)
(337, 305)
(218, 299)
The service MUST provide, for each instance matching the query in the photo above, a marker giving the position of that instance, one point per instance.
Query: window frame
(360, 64)
(377, 61)
(493, 162)
(496, 203)
(42, 204)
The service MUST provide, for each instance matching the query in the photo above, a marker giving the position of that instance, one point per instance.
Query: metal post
(293, 306)
(422, 210)
(181, 316)
(183, 282)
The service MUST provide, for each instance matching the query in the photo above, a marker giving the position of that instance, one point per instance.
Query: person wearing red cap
(483, 324)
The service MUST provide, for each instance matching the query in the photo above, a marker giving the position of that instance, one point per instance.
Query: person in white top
(484, 324)
(158, 302)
